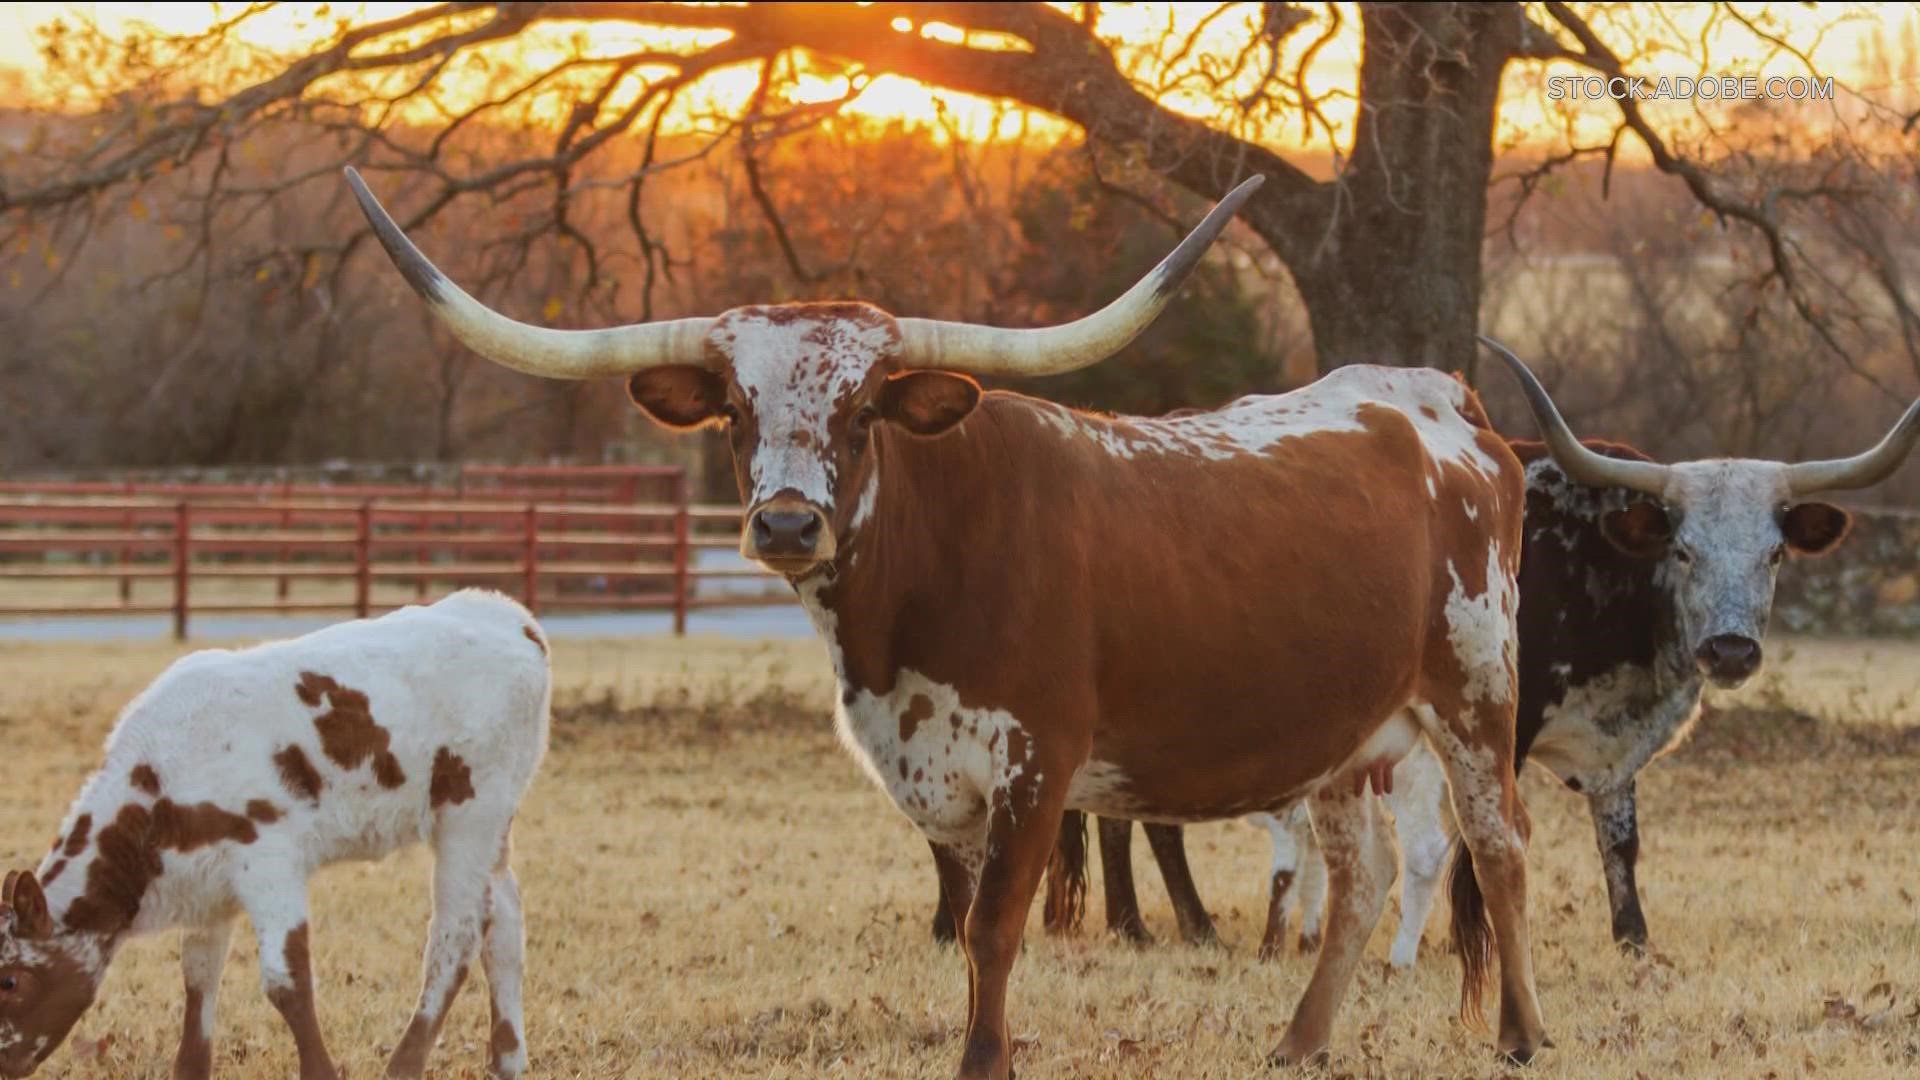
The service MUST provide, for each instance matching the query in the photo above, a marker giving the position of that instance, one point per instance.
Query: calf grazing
(1029, 608)
(236, 775)
(1639, 584)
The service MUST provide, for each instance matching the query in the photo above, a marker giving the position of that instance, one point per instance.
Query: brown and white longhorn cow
(1640, 583)
(1030, 608)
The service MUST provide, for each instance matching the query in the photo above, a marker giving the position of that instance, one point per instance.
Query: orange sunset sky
(1837, 37)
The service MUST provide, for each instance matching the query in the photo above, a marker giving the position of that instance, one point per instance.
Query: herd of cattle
(1340, 611)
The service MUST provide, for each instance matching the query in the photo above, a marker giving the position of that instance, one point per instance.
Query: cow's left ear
(1814, 528)
(679, 395)
(928, 402)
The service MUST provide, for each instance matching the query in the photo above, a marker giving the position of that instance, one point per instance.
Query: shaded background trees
(186, 281)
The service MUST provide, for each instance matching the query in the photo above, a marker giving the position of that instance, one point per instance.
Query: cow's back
(1281, 563)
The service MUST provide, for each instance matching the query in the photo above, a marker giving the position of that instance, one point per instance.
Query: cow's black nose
(786, 533)
(1729, 656)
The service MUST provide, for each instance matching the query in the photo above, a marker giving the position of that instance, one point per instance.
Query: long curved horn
(988, 350)
(1578, 462)
(536, 350)
(1860, 470)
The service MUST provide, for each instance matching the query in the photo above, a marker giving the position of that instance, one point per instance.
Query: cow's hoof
(1206, 938)
(1310, 943)
(1522, 1053)
(1282, 1058)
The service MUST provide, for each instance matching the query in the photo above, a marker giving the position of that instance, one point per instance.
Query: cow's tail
(1472, 935)
(1066, 903)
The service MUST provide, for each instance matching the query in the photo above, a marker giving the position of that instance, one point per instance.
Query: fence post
(286, 525)
(421, 522)
(182, 566)
(363, 560)
(682, 540)
(532, 586)
(126, 552)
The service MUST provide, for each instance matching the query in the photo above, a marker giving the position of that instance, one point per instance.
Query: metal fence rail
(204, 546)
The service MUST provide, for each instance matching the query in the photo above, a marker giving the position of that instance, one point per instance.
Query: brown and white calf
(236, 775)
(1640, 583)
(1030, 608)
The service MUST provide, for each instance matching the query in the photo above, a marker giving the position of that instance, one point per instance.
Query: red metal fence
(559, 538)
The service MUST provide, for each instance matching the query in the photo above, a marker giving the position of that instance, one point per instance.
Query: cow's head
(47, 978)
(1720, 527)
(801, 388)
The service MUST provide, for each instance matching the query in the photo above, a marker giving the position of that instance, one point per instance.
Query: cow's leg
(1420, 823)
(1281, 897)
(1023, 822)
(503, 955)
(1486, 802)
(945, 928)
(275, 899)
(1616, 824)
(958, 871)
(467, 843)
(1116, 873)
(203, 955)
(1310, 887)
(1359, 855)
(1170, 851)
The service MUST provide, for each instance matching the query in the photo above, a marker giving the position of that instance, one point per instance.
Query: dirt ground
(713, 889)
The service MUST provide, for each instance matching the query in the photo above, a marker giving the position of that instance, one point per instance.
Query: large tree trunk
(1391, 275)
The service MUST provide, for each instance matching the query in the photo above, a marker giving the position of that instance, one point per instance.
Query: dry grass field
(713, 890)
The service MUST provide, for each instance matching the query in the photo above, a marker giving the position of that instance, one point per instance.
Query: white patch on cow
(1608, 728)
(794, 372)
(1473, 512)
(1481, 631)
(464, 674)
(955, 759)
(1256, 424)
(869, 493)
(1101, 787)
(954, 763)
(1433, 489)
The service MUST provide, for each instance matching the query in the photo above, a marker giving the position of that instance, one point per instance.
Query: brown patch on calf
(184, 828)
(919, 710)
(452, 781)
(77, 840)
(195, 1058)
(348, 734)
(298, 773)
(145, 779)
(263, 811)
(503, 1041)
(53, 872)
(128, 857)
(118, 877)
(534, 636)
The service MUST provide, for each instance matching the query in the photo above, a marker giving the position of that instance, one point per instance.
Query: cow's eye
(730, 414)
(1779, 552)
(863, 420)
(7, 984)
(1682, 555)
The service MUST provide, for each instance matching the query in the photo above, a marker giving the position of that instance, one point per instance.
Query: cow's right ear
(678, 395)
(1641, 530)
(27, 905)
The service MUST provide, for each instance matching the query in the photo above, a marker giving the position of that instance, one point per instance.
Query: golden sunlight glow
(1541, 106)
